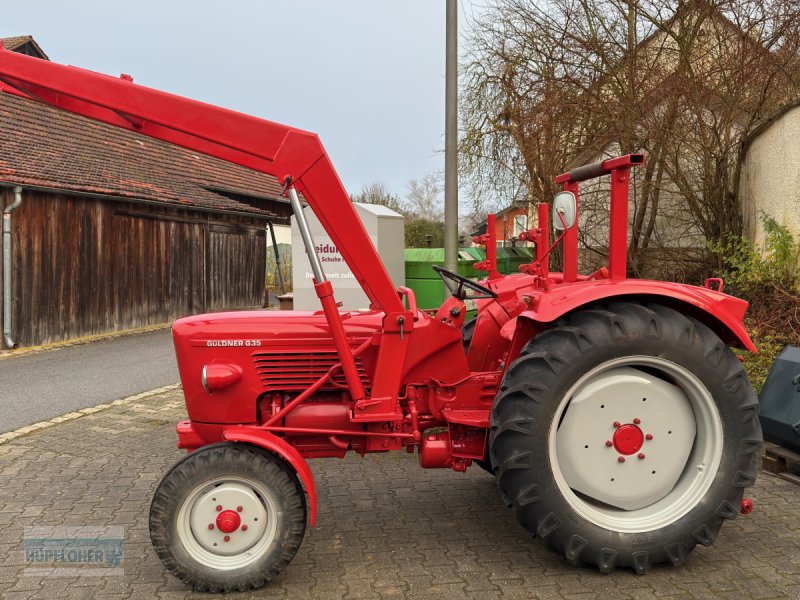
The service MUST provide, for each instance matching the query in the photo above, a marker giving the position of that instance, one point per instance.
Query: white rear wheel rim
(653, 506)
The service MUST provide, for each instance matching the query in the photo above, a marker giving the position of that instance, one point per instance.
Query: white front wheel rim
(228, 523)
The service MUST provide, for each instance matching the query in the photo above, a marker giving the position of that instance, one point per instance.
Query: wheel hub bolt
(219, 507)
(649, 436)
(641, 456)
(239, 509)
(609, 443)
(244, 527)
(227, 538)
(617, 424)
(621, 459)
(210, 526)
(637, 421)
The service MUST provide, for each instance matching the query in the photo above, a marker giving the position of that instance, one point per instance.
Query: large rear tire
(228, 517)
(625, 435)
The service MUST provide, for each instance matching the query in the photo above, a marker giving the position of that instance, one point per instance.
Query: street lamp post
(451, 140)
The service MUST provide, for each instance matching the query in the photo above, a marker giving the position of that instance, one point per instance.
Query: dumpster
(508, 258)
(503, 260)
(478, 255)
(519, 255)
(427, 285)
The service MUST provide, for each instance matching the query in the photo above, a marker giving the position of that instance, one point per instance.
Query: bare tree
(551, 84)
(424, 199)
(378, 192)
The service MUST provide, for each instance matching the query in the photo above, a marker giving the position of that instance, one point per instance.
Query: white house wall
(771, 181)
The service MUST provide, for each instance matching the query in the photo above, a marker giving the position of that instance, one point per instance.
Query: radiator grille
(295, 371)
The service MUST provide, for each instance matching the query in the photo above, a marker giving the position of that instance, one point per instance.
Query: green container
(478, 255)
(431, 293)
(508, 258)
(426, 283)
(503, 260)
(420, 262)
(428, 286)
(519, 255)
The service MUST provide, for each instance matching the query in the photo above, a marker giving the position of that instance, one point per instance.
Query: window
(520, 224)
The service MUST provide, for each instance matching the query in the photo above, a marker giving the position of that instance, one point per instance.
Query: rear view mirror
(565, 205)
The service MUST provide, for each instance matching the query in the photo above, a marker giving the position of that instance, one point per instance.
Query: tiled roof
(48, 147)
(12, 43)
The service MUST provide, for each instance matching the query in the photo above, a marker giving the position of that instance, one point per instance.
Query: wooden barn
(112, 230)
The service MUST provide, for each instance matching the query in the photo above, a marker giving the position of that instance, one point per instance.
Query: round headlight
(216, 377)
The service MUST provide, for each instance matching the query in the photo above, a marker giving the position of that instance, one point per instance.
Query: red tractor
(621, 428)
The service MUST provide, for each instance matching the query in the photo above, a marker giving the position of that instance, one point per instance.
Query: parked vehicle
(621, 428)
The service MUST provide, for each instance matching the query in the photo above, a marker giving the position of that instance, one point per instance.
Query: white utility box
(386, 229)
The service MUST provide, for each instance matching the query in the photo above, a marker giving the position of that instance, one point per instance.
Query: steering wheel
(457, 283)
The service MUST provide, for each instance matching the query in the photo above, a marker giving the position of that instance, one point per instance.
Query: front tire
(228, 517)
(625, 435)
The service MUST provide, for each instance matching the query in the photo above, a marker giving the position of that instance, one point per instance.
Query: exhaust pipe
(8, 337)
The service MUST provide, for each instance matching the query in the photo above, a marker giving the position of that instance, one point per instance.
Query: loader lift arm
(258, 144)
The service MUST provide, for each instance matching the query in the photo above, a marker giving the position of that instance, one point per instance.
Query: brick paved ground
(387, 529)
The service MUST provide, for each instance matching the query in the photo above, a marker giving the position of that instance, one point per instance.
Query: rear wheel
(228, 517)
(625, 435)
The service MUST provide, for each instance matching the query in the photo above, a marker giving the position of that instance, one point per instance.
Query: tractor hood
(227, 361)
(263, 328)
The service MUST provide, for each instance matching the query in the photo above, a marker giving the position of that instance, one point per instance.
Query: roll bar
(620, 170)
(600, 168)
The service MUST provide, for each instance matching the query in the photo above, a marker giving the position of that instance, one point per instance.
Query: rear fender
(722, 313)
(488, 346)
(272, 443)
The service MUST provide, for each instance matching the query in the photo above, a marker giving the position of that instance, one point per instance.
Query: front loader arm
(258, 144)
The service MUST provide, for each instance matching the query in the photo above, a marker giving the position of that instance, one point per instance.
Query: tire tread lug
(641, 561)
(607, 559)
(548, 525)
(575, 547)
(704, 536)
(676, 552)
(726, 510)
(529, 495)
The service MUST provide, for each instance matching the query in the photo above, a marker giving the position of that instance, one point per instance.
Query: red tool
(553, 359)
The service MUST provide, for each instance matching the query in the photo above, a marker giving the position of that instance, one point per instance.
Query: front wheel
(228, 517)
(625, 436)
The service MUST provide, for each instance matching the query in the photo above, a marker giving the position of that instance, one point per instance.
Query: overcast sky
(367, 75)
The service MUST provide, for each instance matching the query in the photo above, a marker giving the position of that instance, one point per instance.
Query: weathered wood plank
(85, 266)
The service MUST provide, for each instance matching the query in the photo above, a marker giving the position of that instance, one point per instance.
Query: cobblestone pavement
(386, 528)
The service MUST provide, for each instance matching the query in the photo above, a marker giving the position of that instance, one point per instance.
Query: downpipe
(8, 337)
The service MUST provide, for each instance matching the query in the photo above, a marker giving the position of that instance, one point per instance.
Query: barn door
(235, 266)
